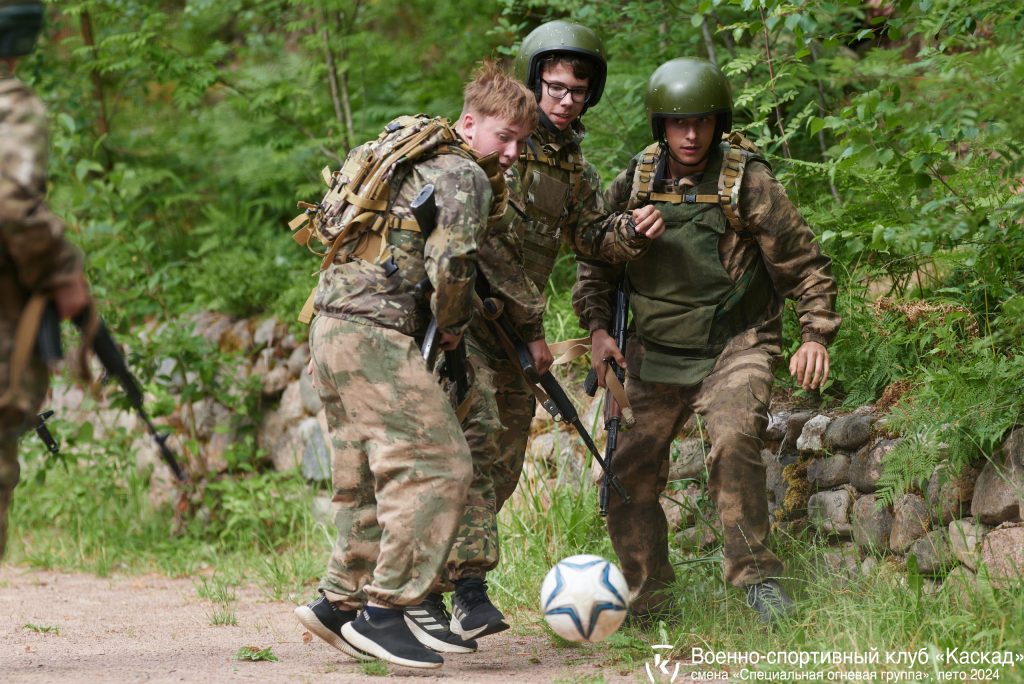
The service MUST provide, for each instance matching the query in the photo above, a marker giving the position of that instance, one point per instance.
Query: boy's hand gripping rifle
(614, 414)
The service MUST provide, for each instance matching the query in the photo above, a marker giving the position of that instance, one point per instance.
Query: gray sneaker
(769, 600)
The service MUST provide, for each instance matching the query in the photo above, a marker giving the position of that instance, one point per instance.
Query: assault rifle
(612, 410)
(556, 402)
(424, 210)
(109, 354)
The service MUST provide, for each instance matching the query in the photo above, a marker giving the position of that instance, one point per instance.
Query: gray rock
(812, 438)
(286, 451)
(292, 405)
(868, 565)
(794, 427)
(776, 483)
(965, 537)
(697, 538)
(689, 463)
(962, 585)
(238, 338)
(275, 382)
(778, 425)
(829, 512)
(829, 471)
(316, 457)
(298, 360)
(997, 491)
(310, 398)
(871, 525)
(1002, 552)
(949, 497)
(266, 332)
(212, 325)
(910, 522)
(933, 552)
(848, 432)
(842, 561)
(681, 507)
(866, 464)
(323, 511)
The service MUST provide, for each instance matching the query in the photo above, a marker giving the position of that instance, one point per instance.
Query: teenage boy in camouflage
(557, 194)
(707, 305)
(36, 261)
(400, 466)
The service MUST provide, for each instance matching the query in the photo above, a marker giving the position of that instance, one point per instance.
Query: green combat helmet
(561, 36)
(20, 24)
(688, 87)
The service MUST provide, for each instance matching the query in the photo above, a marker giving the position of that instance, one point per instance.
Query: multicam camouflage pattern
(361, 291)
(517, 262)
(400, 465)
(34, 258)
(475, 550)
(733, 399)
(565, 204)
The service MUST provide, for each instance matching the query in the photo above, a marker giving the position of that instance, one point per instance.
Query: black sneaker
(322, 618)
(769, 600)
(389, 638)
(473, 614)
(430, 623)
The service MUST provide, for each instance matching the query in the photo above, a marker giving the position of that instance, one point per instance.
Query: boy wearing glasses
(557, 195)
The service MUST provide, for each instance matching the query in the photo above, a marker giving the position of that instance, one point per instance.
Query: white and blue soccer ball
(584, 598)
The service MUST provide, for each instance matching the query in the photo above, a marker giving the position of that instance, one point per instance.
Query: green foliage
(256, 654)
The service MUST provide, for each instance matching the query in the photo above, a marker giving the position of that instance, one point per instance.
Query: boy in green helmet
(707, 328)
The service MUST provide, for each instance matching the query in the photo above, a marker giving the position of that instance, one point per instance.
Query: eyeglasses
(558, 91)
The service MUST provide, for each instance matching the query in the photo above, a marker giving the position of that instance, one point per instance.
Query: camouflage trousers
(733, 400)
(400, 466)
(497, 429)
(16, 413)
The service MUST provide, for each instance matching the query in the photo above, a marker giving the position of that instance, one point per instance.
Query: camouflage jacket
(563, 202)
(34, 255)
(501, 264)
(360, 291)
(780, 237)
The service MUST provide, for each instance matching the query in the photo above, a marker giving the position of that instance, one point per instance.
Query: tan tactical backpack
(354, 215)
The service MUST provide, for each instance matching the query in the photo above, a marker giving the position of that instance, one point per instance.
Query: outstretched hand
(810, 365)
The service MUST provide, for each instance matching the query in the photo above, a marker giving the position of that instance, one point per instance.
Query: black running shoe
(769, 600)
(322, 618)
(389, 638)
(473, 614)
(430, 623)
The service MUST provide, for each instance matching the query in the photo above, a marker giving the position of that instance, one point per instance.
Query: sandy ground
(154, 629)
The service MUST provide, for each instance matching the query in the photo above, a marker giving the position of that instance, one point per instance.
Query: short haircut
(494, 93)
(581, 66)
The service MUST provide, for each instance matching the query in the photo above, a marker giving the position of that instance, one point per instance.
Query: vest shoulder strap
(643, 176)
(737, 150)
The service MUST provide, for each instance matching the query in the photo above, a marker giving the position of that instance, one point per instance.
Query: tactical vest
(355, 219)
(552, 176)
(685, 305)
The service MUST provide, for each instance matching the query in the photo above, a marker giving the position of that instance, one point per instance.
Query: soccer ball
(584, 598)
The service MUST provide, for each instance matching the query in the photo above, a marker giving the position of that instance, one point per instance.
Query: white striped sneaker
(430, 624)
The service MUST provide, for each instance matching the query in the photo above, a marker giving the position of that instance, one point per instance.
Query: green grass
(42, 629)
(94, 515)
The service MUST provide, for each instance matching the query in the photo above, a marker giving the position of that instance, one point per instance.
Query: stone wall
(822, 469)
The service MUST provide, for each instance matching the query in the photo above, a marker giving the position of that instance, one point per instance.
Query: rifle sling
(568, 350)
(24, 343)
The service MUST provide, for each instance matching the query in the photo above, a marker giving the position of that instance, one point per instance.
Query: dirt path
(68, 627)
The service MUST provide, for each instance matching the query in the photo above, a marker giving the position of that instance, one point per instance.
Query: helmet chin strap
(545, 121)
(668, 149)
